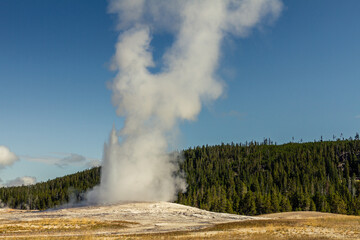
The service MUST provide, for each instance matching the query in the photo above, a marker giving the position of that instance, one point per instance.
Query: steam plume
(138, 168)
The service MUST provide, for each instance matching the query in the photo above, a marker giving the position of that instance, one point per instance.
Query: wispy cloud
(63, 159)
(357, 116)
(41, 159)
(69, 160)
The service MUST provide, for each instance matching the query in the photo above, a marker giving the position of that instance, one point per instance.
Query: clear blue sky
(298, 78)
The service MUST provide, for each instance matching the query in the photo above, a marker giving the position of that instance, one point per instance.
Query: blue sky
(298, 77)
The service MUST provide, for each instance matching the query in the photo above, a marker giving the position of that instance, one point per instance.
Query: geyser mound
(137, 170)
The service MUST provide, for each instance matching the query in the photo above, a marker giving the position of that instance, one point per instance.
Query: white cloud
(7, 157)
(357, 116)
(20, 181)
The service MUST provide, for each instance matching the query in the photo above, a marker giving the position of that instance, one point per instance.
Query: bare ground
(163, 220)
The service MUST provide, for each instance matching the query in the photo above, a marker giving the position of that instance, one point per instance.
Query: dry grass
(81, 228)
(331, 227)
(293, 226)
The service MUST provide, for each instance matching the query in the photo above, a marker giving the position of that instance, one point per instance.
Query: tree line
(56, 192)
(264, 178)
(252, 178)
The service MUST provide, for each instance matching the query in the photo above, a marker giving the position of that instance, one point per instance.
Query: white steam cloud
(7, 157)
(138, 168)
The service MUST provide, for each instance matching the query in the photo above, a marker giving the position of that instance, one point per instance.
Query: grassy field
(296, 225)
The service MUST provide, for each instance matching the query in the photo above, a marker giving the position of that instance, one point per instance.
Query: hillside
(250, 179)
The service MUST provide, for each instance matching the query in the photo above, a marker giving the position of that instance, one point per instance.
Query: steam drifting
(138, 168)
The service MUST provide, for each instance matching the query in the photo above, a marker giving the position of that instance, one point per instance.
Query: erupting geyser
(138, 168)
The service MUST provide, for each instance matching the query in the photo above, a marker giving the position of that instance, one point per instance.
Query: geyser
(138, 168)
